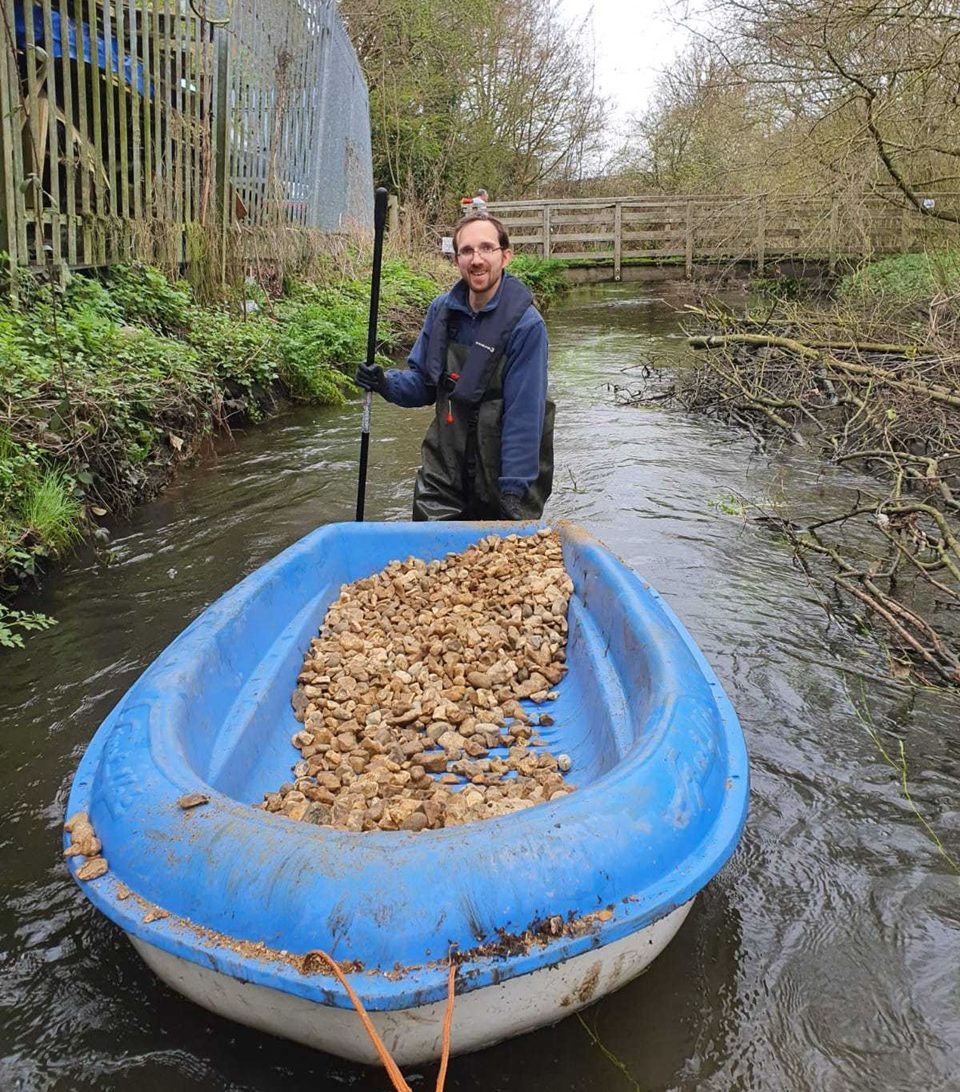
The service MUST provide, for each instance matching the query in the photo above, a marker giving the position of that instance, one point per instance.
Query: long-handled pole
(379, 221)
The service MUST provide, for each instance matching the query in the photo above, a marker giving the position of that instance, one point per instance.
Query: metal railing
(129, 127)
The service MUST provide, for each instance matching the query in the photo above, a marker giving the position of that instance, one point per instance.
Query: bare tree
(533, 102)
(501, 94)
(873, 84)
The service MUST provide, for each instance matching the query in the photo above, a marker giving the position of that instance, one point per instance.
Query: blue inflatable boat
(548, 908)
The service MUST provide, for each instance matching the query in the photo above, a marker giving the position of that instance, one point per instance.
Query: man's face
(481, 271)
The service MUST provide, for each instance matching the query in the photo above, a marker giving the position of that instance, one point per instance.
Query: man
(481, 358)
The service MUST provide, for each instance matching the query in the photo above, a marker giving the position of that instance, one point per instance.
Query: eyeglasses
(485, 250)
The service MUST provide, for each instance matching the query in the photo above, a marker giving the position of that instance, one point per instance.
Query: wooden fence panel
(129, 126)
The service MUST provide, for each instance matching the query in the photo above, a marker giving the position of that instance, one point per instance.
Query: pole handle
(379, 223)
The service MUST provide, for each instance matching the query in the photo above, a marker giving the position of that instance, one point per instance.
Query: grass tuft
(51, 511)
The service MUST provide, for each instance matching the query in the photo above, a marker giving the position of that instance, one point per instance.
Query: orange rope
(447, 1025)
(393, 1070)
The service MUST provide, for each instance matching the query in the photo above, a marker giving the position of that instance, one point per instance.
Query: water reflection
(825, 956)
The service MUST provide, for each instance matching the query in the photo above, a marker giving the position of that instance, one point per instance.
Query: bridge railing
(692, 228)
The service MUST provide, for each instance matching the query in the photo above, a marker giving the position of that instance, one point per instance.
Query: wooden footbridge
(690, 229)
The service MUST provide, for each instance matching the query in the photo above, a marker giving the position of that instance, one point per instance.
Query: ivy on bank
(106, 384)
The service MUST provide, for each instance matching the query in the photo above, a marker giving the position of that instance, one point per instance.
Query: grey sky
(634, 41)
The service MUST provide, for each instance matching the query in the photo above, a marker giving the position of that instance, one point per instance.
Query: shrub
(543, 276)
(405, 296)
(317, 340)
(905, 278)
(246, 353)
(144, 296)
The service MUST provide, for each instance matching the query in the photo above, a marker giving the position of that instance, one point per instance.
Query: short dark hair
(472, 217)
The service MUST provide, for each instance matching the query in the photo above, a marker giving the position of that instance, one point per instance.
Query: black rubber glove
(511, 506)
(371, 377)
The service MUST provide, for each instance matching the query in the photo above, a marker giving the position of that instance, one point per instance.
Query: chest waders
(460, 457)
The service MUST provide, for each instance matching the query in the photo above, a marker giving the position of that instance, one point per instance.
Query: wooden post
(10, 118)
(221, 146)
(66, 89)
(171, 145)
(123, 157)
(176, 114)
(761, 234)
(88, 162)
(136, 153)
(102, 182)
(13, 115)
(53, 139)
(158, 186)
(617, 240)
(200, 77)
(834, 236)
(146, 25)
(546, 230)
(688, 243)
(37, 158)
(117, 183)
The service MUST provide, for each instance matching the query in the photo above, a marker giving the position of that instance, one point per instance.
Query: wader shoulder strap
(439, 335)
(492, 331)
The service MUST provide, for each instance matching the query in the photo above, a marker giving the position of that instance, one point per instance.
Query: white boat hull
(481, 1017)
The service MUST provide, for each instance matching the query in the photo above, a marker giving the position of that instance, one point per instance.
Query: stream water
(826, 955)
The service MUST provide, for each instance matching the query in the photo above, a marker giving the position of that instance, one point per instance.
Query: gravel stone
(416, 678)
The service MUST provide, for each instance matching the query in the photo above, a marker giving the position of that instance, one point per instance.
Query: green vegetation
(543, 276)
(13, 620)
(905, 278)
(105, 385)
(329, 323)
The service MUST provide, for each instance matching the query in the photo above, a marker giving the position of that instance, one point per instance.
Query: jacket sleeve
(524, 404)
(407, 386)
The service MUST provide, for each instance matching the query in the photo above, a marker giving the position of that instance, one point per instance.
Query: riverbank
(107, 385)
